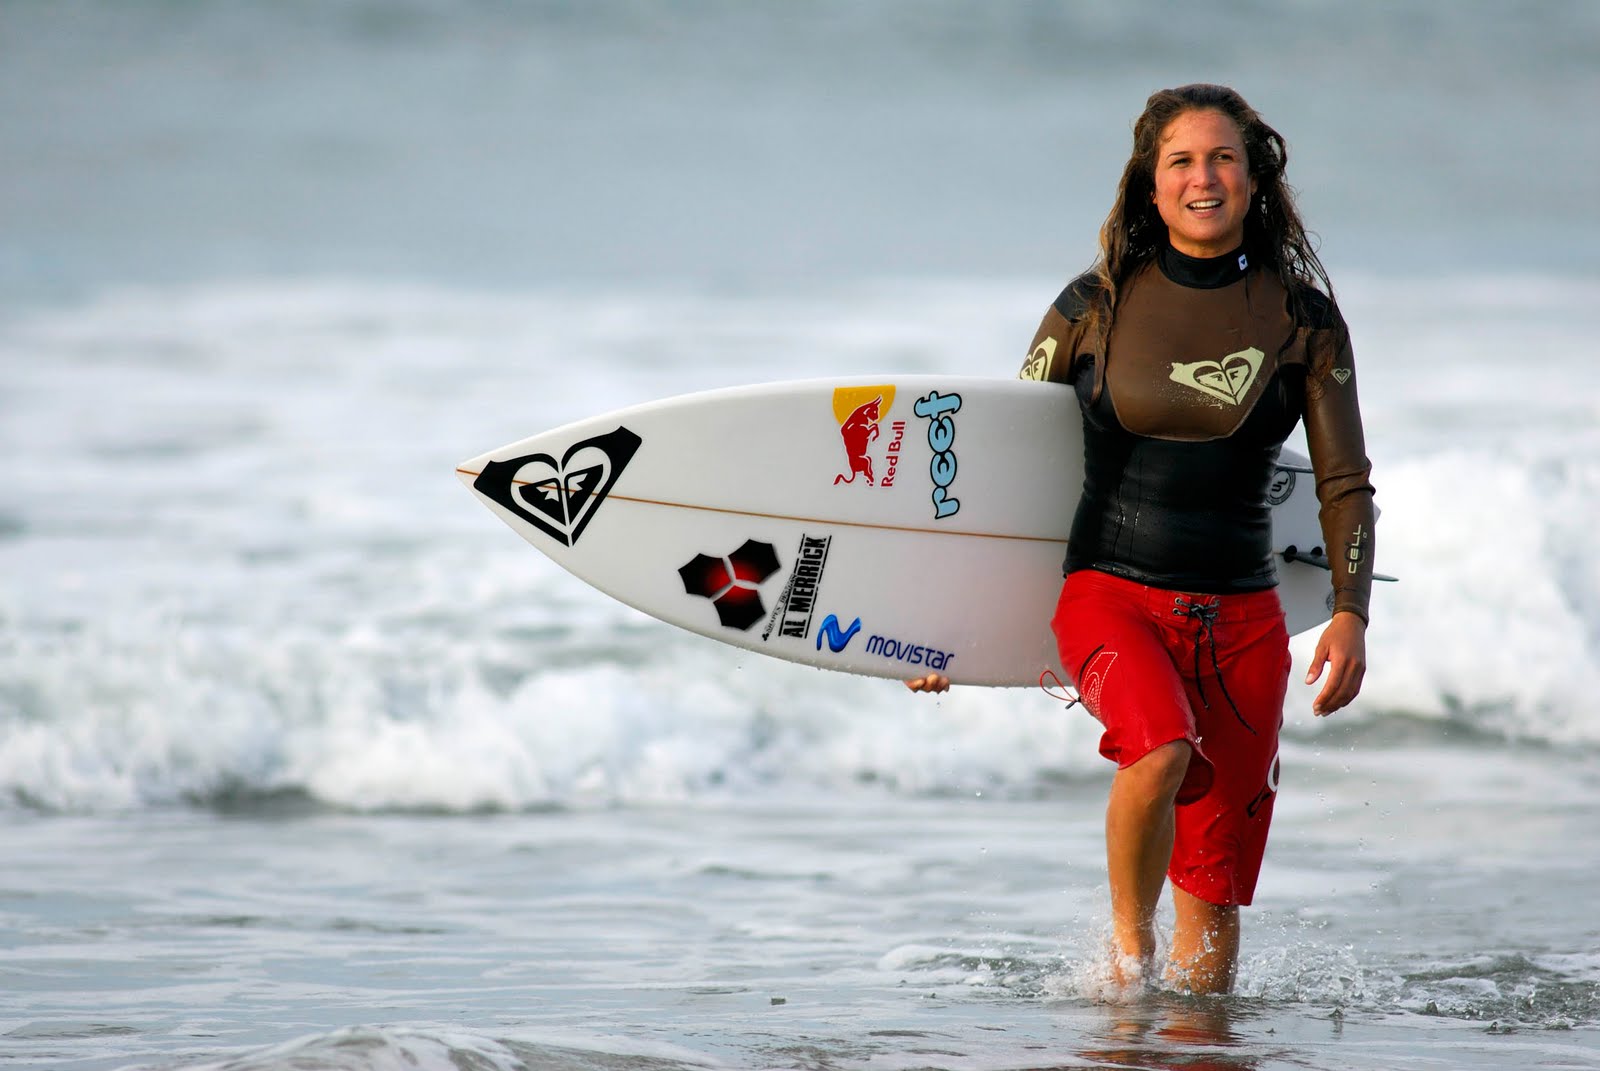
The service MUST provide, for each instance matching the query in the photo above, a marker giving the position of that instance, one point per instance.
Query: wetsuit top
(1203, 375)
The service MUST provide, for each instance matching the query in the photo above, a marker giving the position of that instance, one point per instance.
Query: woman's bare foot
(1131, 975)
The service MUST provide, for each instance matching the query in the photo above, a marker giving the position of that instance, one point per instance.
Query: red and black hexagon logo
(732, 583)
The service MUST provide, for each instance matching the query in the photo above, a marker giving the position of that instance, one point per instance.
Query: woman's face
(1203, 183)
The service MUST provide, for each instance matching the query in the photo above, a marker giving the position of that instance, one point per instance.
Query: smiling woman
(1203, 259)
(1205, 332)
(1203, 184)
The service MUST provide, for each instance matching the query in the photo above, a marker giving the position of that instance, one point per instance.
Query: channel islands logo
(1228, 380)
(732, 582)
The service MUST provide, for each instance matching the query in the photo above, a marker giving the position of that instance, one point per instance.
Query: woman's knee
(1163, 769)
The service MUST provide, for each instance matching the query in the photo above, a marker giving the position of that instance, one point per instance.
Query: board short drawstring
(1065, 697)
(1205, 614)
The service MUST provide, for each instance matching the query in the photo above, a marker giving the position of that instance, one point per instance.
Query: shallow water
(854, 932)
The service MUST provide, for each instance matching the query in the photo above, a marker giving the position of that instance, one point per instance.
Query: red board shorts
(1132, 653)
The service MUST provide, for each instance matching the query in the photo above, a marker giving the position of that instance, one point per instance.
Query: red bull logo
(860, 412)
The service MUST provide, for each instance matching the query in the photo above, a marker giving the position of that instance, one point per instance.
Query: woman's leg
(1139, 831)
(1221, 838)
(1112, 643)
(1205, 944)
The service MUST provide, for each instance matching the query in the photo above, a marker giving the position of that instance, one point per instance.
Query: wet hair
(1274, 235)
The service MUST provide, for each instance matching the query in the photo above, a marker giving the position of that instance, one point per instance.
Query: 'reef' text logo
(939, 410)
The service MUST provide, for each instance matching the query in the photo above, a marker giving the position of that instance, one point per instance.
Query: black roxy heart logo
(732, 583)
(560, 497)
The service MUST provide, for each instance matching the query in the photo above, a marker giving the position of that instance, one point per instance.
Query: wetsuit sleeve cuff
(1359, 611)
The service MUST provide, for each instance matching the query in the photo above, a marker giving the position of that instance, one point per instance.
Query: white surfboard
(884, 527)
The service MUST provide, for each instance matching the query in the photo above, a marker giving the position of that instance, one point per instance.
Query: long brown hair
(1273, 233)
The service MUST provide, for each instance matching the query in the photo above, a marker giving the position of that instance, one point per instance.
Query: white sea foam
(233, 558)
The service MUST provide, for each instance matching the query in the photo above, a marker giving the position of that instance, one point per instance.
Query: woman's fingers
(1343, 685)
(1342, 651)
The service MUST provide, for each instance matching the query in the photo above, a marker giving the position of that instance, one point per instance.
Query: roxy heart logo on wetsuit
(560, 497)
(1037, 366)
(1228, 380)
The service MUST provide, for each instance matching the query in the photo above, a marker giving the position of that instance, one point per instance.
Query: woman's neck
(1203, 273)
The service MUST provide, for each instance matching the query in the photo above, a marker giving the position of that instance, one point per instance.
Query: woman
(1204, 333)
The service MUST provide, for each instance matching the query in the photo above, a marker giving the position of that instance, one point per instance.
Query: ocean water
(307, 762)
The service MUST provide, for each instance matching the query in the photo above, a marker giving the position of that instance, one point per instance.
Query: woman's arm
(1344, 488)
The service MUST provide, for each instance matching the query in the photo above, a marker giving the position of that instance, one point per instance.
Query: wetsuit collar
(1203, 273)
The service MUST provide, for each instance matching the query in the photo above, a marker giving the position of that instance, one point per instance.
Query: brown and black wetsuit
(1204, 373)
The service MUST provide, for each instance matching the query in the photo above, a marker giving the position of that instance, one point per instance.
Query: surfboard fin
(1318, 557)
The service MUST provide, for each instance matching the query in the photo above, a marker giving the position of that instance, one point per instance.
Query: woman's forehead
(1204, 124)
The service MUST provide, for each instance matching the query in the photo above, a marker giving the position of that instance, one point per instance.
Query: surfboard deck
(880, 526)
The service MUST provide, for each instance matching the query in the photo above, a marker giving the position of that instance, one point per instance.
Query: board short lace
(1205, 616)
(1065, 697)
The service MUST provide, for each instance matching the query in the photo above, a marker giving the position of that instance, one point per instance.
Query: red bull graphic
(860, 412)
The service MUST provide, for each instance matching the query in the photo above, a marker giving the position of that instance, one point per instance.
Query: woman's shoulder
(1315, 308)
(1078, 296)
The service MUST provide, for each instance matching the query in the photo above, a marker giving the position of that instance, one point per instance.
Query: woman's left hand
(1342, 650)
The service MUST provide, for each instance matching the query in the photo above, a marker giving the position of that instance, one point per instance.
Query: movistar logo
(837, 639)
